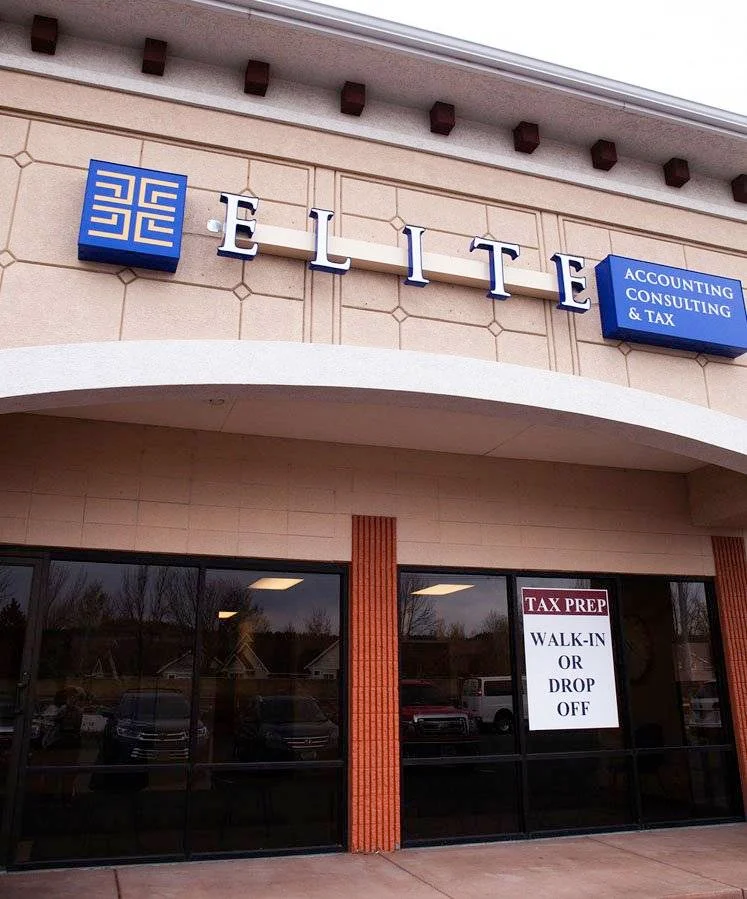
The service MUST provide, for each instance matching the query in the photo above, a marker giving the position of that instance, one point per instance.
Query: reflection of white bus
(489, 699)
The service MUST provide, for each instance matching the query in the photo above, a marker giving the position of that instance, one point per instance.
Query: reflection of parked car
(490, 700)
(150, 726)
(285, 727)
(430, 724)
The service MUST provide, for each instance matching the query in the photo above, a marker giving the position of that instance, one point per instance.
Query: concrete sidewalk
(700, 862)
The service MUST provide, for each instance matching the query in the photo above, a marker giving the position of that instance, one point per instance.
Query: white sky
(685, 48)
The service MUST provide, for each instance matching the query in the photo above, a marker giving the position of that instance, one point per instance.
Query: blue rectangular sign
(673, 307)
(132, 216)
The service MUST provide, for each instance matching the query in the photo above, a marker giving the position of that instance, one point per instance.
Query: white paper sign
(569, 663)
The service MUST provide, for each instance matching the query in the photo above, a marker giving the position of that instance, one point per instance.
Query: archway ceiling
(300, 414)
(371, 396)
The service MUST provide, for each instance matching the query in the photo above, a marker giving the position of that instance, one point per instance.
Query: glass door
(16, 584)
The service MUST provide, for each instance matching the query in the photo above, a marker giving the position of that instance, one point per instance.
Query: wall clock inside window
(638, 647)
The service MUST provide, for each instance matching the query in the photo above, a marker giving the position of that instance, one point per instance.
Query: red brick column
(731, 589)
(373, 677)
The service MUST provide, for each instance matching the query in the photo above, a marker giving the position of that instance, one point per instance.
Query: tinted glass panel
(115, 665)
(454, 651)
(240, 810)
(457, 800)
(15, 589)
(674, 693)
(579, 792)
(270, 685)
(571, 740)
(87, 815)
(680, 784)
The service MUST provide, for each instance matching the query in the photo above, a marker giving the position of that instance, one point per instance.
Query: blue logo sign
(672, 307)
(132, 216)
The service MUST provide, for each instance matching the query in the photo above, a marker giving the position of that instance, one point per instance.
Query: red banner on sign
(564, 601)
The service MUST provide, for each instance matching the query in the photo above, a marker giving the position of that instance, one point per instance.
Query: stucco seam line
(369, 133)
(46, 377)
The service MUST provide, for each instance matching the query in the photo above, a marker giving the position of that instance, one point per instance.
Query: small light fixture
(442, 589)
(223, 615)
(275, 583)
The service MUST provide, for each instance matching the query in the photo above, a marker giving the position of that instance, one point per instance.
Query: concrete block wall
(75, 483)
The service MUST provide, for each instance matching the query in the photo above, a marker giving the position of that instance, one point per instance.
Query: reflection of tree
(453, 631)
(6, 583)
(11, 615)
(12, 631)
(70, 599)
(318, 624)
(141, 594)
(692, 651)
(690, 611)
(417, 616)
(493, 623)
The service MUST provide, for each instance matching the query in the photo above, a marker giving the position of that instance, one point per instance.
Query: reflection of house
(244, 663)
(465, 656)
(98, 669)
(326, 665)
(289, 654)
(179, 668)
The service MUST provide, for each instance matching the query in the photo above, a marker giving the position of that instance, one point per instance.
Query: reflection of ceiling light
(441, 589)
(227, 614)
(275, 583)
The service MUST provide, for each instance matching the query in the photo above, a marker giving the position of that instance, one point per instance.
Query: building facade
(281, 488)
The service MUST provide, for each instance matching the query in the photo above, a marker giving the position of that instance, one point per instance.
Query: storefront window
(182, 710)
(116, 659)
(677, 699)
(270, 671)
(270, 695)
(674, 691)
(472, 763)
(576, 739)
(456, 705)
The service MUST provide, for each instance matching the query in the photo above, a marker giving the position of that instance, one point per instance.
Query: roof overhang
(313, 44)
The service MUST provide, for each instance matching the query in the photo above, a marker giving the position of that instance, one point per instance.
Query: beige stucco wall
(68, 482)
(47, 296)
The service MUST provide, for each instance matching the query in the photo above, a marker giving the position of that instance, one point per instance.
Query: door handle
(21, 688)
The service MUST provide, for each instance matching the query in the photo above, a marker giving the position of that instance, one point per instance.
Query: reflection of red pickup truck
(431, 725)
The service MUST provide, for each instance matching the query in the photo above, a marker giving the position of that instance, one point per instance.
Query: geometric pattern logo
(132, 216)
